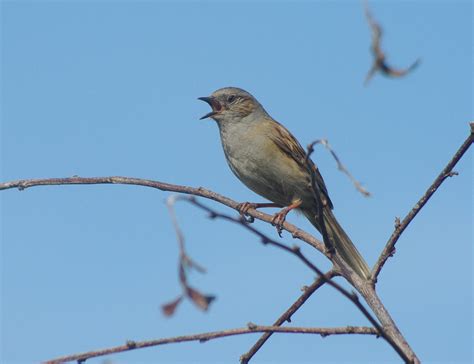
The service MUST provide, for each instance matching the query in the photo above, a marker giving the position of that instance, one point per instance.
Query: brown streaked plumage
(268, 159)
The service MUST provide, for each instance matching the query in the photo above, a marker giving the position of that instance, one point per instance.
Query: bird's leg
(244, 207)
(279, 217)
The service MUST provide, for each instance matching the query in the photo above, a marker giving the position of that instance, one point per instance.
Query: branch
(251, 329)
(185, 259)
(380, 63)
(295, 250)
(200, 300)
(316, 188)
(369, 295)
(340, 166)
(286, 316)
(389, 249)
(296, 232)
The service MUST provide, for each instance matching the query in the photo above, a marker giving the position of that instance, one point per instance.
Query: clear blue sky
(109, 88)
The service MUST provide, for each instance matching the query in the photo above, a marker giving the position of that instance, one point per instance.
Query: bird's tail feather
(341, 241)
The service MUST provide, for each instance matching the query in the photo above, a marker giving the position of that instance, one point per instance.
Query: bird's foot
(244, 207)
(278, 220)
(280, 217)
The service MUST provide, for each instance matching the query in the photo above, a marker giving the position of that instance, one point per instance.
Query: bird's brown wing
(284, 140)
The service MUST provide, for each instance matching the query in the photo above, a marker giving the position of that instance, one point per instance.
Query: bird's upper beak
(213, 103)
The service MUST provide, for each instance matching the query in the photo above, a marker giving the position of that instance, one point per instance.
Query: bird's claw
(243, 208)
(278, 220)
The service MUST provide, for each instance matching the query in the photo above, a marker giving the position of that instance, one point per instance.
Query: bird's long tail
(341, 241)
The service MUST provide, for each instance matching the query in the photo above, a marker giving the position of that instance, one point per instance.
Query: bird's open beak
(213, 103)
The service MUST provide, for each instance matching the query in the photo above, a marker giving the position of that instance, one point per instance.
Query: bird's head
(230, 104)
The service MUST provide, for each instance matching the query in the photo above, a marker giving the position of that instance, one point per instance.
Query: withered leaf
(199, 299)
(169, 308)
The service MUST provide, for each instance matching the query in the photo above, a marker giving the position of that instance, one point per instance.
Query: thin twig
(199, 299)
(286, 316)
(184, 257)
(340, 166)
(251, 329)
(401, 226)
(380, 63)
(295, 250)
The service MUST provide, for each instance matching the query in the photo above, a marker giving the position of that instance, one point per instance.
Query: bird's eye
(231, 98)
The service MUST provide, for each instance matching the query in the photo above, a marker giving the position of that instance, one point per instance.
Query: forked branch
(368, 293)
(286, 316)
(295, 250)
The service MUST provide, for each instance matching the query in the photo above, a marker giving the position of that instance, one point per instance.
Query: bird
(270, 161)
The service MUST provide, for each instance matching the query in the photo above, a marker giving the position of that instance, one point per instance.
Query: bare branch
(295, 250)
(368, 294)
(251, 329)
(401, 226)
(286, 316)
(380, 63)
(296, 232)
(340, 166)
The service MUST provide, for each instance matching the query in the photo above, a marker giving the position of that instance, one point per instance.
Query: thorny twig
(380, 63)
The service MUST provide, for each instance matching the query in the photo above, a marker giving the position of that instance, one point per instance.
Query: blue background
(109, 88)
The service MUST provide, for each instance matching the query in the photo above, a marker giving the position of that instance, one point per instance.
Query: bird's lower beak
(213, 103)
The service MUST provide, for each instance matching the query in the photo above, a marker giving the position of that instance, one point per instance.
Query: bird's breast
(257, 161)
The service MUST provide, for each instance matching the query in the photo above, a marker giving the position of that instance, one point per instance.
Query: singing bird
(269, 160)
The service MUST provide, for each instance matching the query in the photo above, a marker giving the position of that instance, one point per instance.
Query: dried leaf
(380, 63)
(199, 299)
(169, 308)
